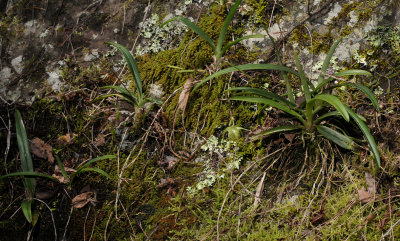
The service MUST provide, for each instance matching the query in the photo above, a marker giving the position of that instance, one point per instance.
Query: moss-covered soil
(181, 177)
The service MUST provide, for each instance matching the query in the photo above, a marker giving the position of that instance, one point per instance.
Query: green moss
(205, 104)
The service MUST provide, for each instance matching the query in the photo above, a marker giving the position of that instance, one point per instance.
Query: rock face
(36, 38)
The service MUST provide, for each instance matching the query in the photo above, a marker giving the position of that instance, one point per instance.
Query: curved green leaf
(332, 100)
(363, 89)
(131, 101)
(304, 81)
(270, 103)
(370, 139)
(224, 30)
(246, 67)
(328, 60)
(263, 93)
(352, 72)
(92, 161)
(194, 28)
(289, 89)
(61, 165)
(26, 207)
(230, 44)
(336, 137)
(130, 61)
(24, 152)
(276, 130)
(341, 74)
(28, 174)
(90, 169)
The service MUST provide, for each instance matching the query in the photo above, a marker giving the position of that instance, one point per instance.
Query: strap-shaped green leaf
(230, 44)
(194, 28)
(332, 100)
(276, 130)
(224, 30)
(131, 101)
(270, 103)
(343, 73)
(24, 152)
(28, 174)
(349, 72)
(125, 93)
(289, 89)
(370, 139)
(130, 61)
(261, 92)
(246, 67)
(304, 82)
(80, 169)
(61, 165)
(90, 169)
(26, 207)
(363, 89)
(336, 137)
(328, 60)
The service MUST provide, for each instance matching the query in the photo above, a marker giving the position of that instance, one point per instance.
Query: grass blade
(270, 103)
(284, 74)
(341, 74)
(363, 89)
(90, 169)
(328, 60)
(61, 165)
(332, 100)
(336, 137)
(90, 162)
(263, 93)
(367, 134)
(194, 28)
(246, 67)
(352, 72)
(25, 154)
(224, 30)
(26, 207)
(304, 82)
(29, 174)
(230, 44)
(130, 61)
(276, 130)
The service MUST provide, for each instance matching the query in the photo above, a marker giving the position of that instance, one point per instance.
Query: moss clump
(205, 104)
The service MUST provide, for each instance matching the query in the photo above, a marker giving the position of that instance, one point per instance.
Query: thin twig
(52, 217)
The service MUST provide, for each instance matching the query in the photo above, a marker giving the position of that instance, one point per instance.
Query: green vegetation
(311, 112)
(259, 151)
(219, 49)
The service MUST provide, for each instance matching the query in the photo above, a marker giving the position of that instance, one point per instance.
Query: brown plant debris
(41, 149)
(82, 199)
(66, 139)
(184, 96)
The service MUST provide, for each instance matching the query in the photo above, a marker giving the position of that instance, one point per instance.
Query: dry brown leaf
(57, 169)
(41, 149)
(290, 137)
(169, 162)
(61, 178)
(100, 140)
(364, 196)
(66, 139)
(184, 96)
(371, 184)
(259, 190)
(82, 199)
(166, 182)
